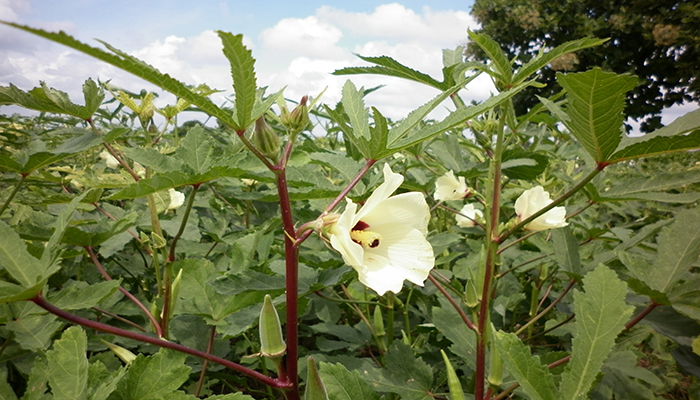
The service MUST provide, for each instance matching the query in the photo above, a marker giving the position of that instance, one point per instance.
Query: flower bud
(298, 119)
(272, 342)
(315, 390)
(125, 355)
(453, 383)
(158, 241)
(266, 140)
(495, 377)
(472, 294)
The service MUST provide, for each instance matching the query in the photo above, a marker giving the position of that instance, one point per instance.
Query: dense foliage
(149, 260)
(658, 41)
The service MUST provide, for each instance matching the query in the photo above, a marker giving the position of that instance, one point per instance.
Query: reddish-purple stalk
(484, 309)
(292, 285)
(304, 231)
(205, 364)
(273, 382)
(452, 301)
(125, 292)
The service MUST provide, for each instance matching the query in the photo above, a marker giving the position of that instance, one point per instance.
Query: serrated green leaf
(16, 260)
(601, 314)
(101, 383)
(79, 143)
(175, 179)
(37, 382)
(95, 235)
(136, 67)
(541, 61)
(463, 339)
(196, 150)
(6, 391)
(243, 75)
(522, 164)
(34, 332)
(68, 366)
(656, 182)
(534, 378)
(355, 109)
(47, 99)
(389, 67)
(153, 377)
(596, 101)
(679, 246)
(152, 158)
(405, 375)
(566, 250)
(48, 257)
(658, 145)
(501, 66)
(342, 384)
(81, 295)
(400, 139)
(231, 284)
(197, 296)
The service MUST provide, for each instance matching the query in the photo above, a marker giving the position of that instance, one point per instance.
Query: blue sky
(296, 44)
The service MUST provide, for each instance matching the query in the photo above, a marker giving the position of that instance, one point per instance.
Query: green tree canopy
(658, 41)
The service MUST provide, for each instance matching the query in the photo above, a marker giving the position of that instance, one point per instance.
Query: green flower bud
(272, 342)
(315, 390)
(495, 377)
(472, 294)
(298, 119)
(453, 383)
(174, 291)
(266, 140)
(158, 241)
(125, 355)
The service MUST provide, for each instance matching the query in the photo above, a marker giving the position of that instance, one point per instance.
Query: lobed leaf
(656, 146)
(157, 376)
(243, 75)
(596, 101)
(542, 60)
(534, 378)
(601, 313)
(68, 365)
(342, 384)
(389, 67)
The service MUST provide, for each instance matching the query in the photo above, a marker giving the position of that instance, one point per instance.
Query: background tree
(658, 41)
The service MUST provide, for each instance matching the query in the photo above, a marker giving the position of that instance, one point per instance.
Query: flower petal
(409, 209)
(340, 237)
(392, 181)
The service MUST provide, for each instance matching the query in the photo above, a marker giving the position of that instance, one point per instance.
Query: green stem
(546, 310)
(492, 219)
(185, 217)
(13, 194)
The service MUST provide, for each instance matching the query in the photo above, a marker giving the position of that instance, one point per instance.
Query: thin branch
(41, 302)
(125, 292)
(456, 306)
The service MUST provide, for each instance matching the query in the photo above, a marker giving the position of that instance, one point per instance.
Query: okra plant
(332, 253)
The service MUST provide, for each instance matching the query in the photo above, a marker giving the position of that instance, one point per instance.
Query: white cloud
(303, 37)
(299, 53)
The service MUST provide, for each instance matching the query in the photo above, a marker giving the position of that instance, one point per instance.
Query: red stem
(292, 285)
(41, 302)
(452, 301)
(125, 292)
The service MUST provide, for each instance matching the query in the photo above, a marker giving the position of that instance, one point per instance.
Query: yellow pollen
(367, 239)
